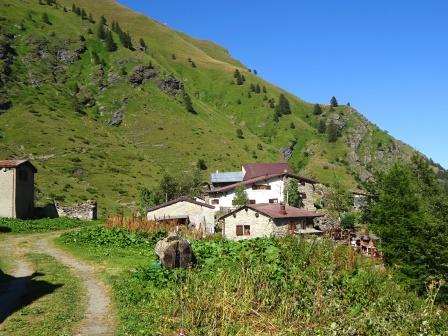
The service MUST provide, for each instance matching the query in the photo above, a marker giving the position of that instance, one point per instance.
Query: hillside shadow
(19, 292)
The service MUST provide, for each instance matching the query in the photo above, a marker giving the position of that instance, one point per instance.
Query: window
(252, 202)
(261, 187)
(243, 230)
(215, 201)
(23, 175)
(273, 200)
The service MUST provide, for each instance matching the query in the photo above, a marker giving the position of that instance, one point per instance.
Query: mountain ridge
(103, 124)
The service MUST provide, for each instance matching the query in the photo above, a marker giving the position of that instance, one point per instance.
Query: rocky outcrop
(66, 56)
(116, 118)
(288, 151)
(174, 252)
(142, 74)
(171, 85)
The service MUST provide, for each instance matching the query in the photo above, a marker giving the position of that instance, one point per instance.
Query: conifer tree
(73, 8)
(103, 20)
(317, 110)
(332, 131)
(110, 43)
(100, 31)
(322, 126)
(143, 44)
(239, 133)
(188, 103)
(264, 89)
(333, 102)
(282, 107)
(91, 20)
(45, 18)
(257, 88)
(83, 14)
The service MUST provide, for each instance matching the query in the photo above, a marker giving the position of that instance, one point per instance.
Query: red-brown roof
(254, 170)
(181, 199)
(274, 211)
(258, 179)
(15, 164)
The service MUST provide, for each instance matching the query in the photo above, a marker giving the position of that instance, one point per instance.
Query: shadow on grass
(5, 229)
(19, 292)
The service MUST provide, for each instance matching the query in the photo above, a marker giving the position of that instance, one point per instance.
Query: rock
(142, 74)
(288, 151)
(66, 56)
(174, 252)
(116, 118)
(171, 85)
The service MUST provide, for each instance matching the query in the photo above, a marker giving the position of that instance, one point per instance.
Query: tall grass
(270, 286)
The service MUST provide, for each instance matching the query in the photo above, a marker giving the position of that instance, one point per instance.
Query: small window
(243, 230)
(252, 202)
(23, 175)
(261, 187)
(273, 200)
(215, 201)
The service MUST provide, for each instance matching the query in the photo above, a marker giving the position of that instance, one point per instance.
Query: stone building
(186, 211)
(17, 188)
(266, 220)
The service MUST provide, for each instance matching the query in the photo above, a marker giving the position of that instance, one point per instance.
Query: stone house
(267, 220)
(186, 211)
(17, 188)
(262, 182)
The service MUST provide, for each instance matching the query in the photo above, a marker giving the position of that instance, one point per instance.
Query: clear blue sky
(389, 59)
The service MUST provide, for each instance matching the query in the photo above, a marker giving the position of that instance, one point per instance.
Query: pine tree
(110, 43)
(193, 64)
(45, 18)
(91, 20)
(239, 133)
(292, 125)
(333, 102)
(83, 14)
(252, 87)
(173, 56)
(282, 107)
(100, 31)
(255, 72)
(73, 8)
(90, 31)
(264, 89)
(317, 110)
(238, 77)
(201, 164)
(322, 126)
(103, 20)
(143, 44)
(78, 11)
(333, 131)
(257, 88)
(188, 103)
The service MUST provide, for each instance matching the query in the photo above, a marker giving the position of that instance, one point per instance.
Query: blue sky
(389, 59)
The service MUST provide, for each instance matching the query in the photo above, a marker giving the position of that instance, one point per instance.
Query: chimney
(283, 209)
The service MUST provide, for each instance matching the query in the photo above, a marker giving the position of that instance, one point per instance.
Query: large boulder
(142, 74)
(174, 252)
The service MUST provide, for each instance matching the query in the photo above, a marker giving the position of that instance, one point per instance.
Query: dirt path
(99, 318)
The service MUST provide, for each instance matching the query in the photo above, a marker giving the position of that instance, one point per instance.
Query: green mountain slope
(101, 124)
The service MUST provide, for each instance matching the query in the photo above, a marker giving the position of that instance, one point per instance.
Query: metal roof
(16, 163)
(223, 177)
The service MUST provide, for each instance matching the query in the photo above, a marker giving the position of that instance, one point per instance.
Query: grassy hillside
(59, 103)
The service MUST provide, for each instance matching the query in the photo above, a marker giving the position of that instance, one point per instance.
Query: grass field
(257, 287)
(41, 225)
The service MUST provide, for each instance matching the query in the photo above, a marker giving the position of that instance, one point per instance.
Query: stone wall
(84, 211)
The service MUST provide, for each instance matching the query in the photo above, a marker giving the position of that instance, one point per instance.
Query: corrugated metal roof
(223, 177)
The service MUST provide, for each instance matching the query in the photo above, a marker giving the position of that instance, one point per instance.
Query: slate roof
(15, 164)
(274, 211)
(259, 179)
(181, 199)
(254, 170)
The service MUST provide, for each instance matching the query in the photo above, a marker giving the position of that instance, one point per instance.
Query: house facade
(267, 220)
(186, 211)
(263, 183)
(17, 188)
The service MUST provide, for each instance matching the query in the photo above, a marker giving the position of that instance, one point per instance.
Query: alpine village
(151, 184)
